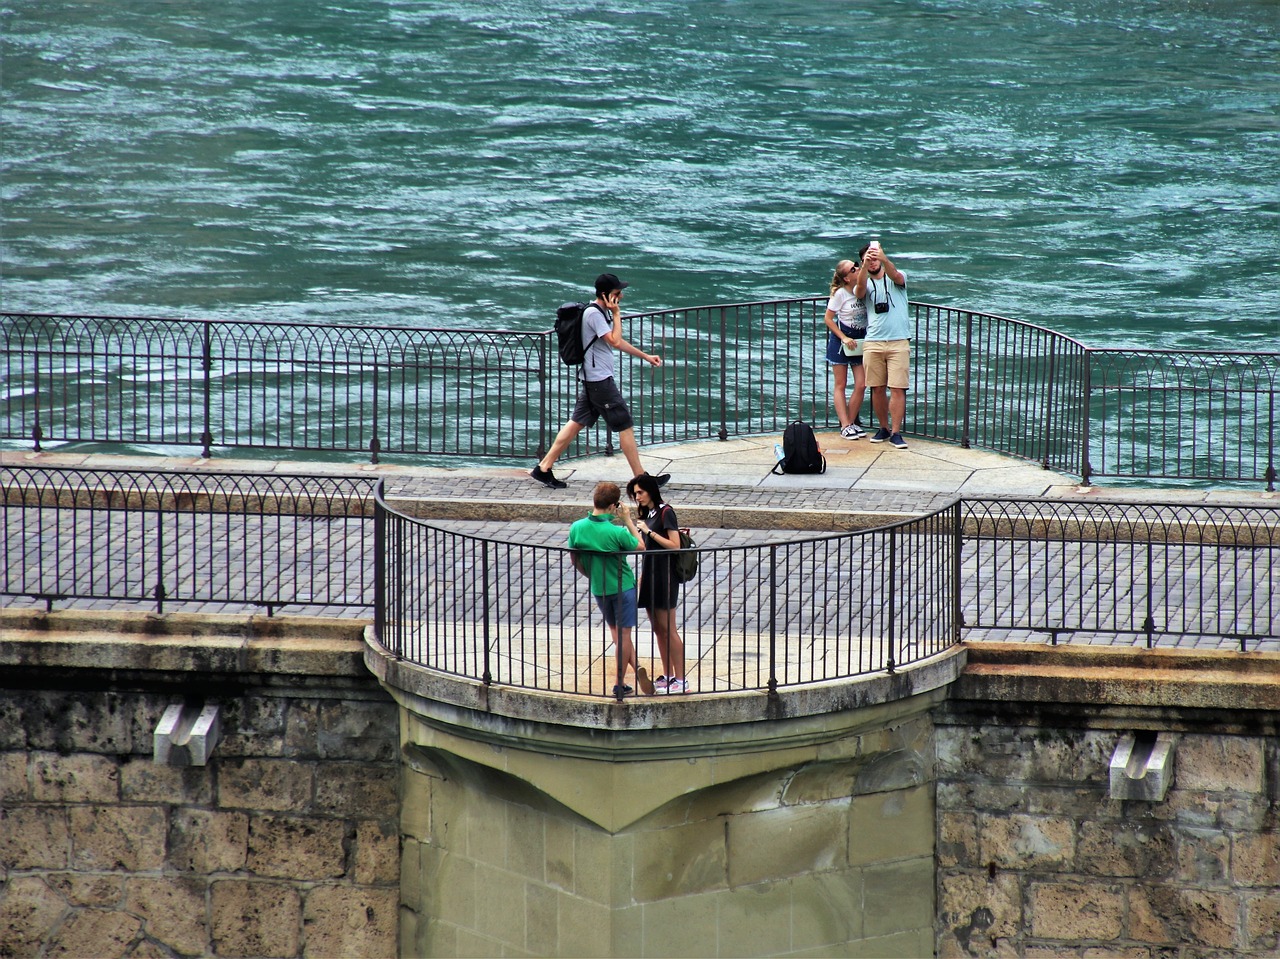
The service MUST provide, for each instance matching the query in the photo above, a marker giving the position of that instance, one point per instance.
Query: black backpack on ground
(569, 333)
(800, 452)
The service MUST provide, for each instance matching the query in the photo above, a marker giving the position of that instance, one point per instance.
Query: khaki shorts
(887, 363)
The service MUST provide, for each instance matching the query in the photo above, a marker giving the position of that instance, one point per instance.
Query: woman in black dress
(659, 589)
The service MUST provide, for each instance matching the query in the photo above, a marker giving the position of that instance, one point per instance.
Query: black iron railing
(160, 538)
(832, 607)
(731, 370)
(1149, 572)
(755, 617)
(785, 611)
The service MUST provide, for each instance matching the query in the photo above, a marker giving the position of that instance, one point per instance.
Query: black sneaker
(547, 478)
(623, 690)
(662, 479)
(897, 441)
(880, 435)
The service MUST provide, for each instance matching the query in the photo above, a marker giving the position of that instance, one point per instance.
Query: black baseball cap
(608, 282)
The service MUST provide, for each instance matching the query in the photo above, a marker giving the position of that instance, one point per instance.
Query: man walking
(599, 549)
(600, 396)
(886, 351)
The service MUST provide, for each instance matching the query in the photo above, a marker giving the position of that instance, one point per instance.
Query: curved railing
(756, 617)
(729, 370)
(811, 609)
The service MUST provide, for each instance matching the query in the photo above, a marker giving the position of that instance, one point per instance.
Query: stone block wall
(285, 844)
(831, 857)
(1034, 859)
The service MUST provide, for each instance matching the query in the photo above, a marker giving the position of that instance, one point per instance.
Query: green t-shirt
(596, 533)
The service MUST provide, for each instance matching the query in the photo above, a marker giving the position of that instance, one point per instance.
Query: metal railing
(755, 617)
(833, 607)
(157, 537)
(731, 370)
(1105, 571)
(786, 611)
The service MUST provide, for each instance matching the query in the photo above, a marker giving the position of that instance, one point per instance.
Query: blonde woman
(846, 319)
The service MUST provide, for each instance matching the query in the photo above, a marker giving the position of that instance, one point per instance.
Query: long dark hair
(647, 483)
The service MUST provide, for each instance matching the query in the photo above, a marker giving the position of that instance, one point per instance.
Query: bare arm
(834, 327)
(625, 512)
(615, 339)
(669, 538)
(892, 271)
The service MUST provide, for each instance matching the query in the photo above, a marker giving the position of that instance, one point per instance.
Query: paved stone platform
(865, 483)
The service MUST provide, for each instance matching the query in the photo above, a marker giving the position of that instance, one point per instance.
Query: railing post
(374, 446)
(957, 607)
(773, 626)
(159, 591)
(487, 677)
(1149, 624)
(206, 363)
(36, 433)
(542, 395)
(892, 623)
(724, 375)
(380, 566)
(967, 408)
(1049, 406)
(1270, 474)
(1086, 470)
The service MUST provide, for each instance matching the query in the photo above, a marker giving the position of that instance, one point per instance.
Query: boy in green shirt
(599, 547)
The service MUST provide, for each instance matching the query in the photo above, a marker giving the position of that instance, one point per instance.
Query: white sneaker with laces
(677, 686)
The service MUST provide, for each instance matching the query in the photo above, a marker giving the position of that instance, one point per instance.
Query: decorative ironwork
(729, 370)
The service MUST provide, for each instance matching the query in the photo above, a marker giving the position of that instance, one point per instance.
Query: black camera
(882, 307)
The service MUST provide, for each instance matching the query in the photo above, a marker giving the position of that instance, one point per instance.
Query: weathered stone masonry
(285, 844)
(333, 820)
(1035, 858)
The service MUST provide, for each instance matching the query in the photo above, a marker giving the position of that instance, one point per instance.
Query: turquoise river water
(1110, 169)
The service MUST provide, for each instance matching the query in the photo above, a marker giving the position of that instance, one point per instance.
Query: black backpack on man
(569, 333)
(800, 453)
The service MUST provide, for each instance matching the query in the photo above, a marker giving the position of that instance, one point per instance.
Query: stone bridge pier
(719, 825)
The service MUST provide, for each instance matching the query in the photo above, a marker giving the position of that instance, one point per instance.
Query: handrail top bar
(492, 332)
(380, 500)
(181, 474)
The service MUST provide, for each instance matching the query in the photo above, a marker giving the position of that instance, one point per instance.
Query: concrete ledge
(691, 514)
(571, 724)
(200, 644)
(1098, 676)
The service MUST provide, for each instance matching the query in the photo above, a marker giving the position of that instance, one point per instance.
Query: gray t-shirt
(597, 364)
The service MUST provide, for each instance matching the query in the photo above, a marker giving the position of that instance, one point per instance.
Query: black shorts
(602, 398)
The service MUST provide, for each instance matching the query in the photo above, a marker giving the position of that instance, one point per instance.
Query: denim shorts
(836, 355)
(619, 608)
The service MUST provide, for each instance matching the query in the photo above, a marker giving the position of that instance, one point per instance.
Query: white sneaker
(677, 686)
(848, 432)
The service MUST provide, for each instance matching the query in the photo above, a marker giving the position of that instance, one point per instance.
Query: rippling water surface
(1107, 168)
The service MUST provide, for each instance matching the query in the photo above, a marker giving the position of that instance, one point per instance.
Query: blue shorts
(619, 608)
(835, 349)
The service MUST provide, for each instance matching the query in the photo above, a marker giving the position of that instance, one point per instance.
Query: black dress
(659, 588)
